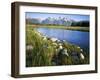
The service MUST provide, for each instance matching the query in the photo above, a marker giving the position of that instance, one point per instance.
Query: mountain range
(57, 21)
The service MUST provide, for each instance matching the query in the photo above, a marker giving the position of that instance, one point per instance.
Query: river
(79, 38)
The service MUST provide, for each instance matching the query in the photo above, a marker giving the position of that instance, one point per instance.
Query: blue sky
(42, 16)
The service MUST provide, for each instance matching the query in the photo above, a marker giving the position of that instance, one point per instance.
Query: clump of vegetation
(42, 51)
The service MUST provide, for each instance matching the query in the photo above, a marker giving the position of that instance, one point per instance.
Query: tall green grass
(42, 52)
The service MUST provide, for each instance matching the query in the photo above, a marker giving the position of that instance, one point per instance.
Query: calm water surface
(75, 37)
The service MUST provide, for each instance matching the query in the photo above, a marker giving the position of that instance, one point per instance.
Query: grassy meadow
(78, 28)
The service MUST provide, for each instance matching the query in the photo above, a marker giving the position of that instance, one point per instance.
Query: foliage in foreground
(45, 53)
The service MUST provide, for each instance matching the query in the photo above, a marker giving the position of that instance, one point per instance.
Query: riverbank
(77, 28)
(45, 51)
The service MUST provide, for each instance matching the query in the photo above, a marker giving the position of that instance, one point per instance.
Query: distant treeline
(59, 22)
(81, 23)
